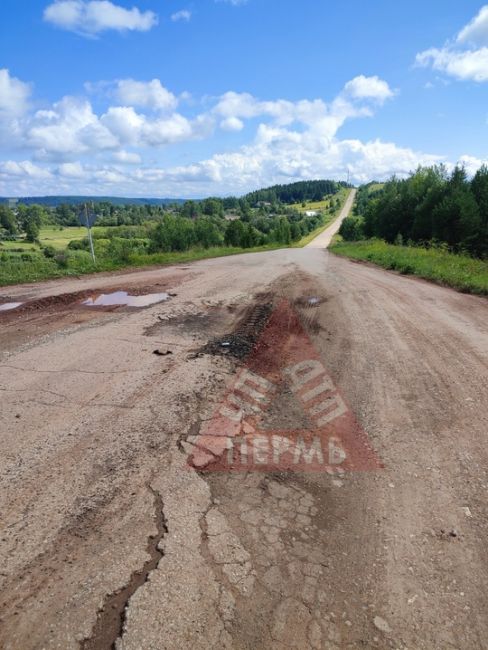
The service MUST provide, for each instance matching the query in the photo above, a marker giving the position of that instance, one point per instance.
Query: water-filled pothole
(123, 299)
(10, 305)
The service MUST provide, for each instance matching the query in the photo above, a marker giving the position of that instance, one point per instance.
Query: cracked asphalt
(110, 539)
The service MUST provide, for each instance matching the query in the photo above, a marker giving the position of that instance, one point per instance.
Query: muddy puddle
(123, 299)
(7, 306)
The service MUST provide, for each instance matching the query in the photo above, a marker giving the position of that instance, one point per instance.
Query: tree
(479, 186)
(456, 220)
(282, 231)
(213, 207)
(172, 234)
(234, 233)
(7, 220)
(31, 218)
(352, 228)
(206, 233)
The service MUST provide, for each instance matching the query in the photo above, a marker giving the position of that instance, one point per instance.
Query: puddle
(10, 305)
(122, 298)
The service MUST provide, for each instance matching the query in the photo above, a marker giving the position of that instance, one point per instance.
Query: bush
(79, 244)
(352, 229)
(49, 252)
(120, 250)
(62, 259)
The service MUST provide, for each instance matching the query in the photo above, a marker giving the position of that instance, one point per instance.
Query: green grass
(48, 236)
(457, 271)
(53, 236)
(319, 206)
(375, 187)
(20, 244)
(15, 270)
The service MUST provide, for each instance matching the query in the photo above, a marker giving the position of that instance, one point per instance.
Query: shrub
(49, 252)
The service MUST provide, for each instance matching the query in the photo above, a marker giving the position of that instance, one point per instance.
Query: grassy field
(375, 187)
(457, 271)
(61, 238)
(16, 270)
(49, 236)
(319, 206)
(20, 245)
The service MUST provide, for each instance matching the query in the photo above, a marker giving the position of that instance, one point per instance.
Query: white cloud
(90, 17)
(234, 3)
(476, 31)
(470, 65)
(79, 150)
(136, 129)
(356, 99)
(472, 164)
(151, 94)
(69, 128)
(128, 157)
(24, 168)
(232, 124)
(14, 94)
(183, 15)
(373, 88)
(71, 170)
(456, 58)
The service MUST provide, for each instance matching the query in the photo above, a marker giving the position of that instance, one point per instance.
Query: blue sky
(176, 98)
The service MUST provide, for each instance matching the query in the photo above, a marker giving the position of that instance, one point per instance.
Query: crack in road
(111, 619)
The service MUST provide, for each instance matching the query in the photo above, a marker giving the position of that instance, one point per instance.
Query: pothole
(10, 305)
(123, 299)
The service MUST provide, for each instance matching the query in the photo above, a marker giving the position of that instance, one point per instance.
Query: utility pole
(90, 239)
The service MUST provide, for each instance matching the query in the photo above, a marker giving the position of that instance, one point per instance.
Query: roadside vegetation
(38, 242)
(432, 224)
(436, 264)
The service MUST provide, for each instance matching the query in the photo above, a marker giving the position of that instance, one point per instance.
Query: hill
(54, 201)
(296, 192)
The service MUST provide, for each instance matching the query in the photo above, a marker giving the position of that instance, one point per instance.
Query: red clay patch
(236, 438)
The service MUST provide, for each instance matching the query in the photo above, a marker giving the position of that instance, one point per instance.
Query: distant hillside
(53, 201)
(288, 194)
(295, 192)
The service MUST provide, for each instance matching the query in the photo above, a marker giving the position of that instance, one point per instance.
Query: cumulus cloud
(14, 94)
(24, 169)
(466, 57)
(476, 31)
(90, 17)
(150, 94)
(232, 124)
(183, 15)
(373, 88)
(128, 157)
(358, 98)
(76, 149)
(70, 127)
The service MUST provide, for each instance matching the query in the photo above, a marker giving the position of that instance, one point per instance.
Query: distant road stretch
(323, 240)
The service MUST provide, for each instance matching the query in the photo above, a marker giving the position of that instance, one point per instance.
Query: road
(125, 523)
(325, 238)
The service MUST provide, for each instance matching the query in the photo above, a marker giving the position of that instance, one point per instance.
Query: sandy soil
(111, 538)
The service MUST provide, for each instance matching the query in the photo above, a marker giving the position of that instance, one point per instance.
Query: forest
(430, 208)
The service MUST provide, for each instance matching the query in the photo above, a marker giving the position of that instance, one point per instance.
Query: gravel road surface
(124, 523)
